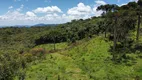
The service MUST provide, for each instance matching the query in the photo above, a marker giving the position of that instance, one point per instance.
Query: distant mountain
(16, 26)
(37, 25)
(42, 24)
(21, 26)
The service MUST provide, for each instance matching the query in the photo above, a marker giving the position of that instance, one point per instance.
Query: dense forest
(108, 47)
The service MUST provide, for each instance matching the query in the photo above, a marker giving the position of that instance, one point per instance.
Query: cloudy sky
(30, 12)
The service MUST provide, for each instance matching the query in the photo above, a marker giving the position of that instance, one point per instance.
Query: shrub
(38, 52)
(9, 66)
(29, 57)
(138, 47)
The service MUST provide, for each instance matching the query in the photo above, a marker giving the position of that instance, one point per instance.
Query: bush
(38, 52)
(9, 65)
(138, 47)
(29, 57)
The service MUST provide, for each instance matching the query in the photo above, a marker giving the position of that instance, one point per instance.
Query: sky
(31, 12)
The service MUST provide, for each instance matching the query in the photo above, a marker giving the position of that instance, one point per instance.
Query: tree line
(120, 22)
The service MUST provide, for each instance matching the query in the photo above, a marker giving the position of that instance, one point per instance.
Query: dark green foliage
(138, 47)
(108, 8)
(140, 2)
(122, 24)
(10, 65)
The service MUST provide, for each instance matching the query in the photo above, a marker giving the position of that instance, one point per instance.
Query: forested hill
(99, 48)
(24, 38)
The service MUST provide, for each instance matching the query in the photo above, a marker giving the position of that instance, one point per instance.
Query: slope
(89, 60)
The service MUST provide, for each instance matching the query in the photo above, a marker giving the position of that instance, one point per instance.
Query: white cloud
(100, 2)
(10, 7)
(52, 9)
(97, 13)
(133, 0)
(81, 11)
(12, 15)
(21, 7)
(30, 14)
(127, 3)
(122, 4)
(18, 18)
(52, 14)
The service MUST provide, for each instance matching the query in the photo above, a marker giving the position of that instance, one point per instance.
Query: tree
(136, 8)
(115, 30)
(54, 35)
(10, 64)
(123, 21)
(107, 8)
(139, 18)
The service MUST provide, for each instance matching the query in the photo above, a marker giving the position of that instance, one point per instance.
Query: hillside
(107, 47)
(88, 60)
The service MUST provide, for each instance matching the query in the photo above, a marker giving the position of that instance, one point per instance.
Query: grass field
(89, 60)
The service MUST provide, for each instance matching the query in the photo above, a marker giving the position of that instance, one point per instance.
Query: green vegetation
(85, 61)
(108, 47)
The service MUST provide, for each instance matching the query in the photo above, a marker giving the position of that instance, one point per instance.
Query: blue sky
(30, 12)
